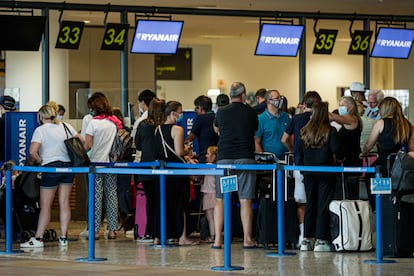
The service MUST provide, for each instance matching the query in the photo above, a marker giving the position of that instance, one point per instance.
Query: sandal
(111, 235)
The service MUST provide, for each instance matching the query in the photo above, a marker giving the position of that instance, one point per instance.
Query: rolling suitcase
(266, 225)
(350, 224)
(398, 224)
(140, 212)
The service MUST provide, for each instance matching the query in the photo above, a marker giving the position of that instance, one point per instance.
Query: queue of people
(231, 135)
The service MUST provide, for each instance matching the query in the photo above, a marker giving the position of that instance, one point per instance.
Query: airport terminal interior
(125, 256)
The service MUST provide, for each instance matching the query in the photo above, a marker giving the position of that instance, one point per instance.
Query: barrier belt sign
(381, 185)
(228, 184)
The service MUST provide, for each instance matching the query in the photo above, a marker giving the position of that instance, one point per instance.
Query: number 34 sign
(70, 34)
(115, 36)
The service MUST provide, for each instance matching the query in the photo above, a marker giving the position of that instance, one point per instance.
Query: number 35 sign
(70, 34)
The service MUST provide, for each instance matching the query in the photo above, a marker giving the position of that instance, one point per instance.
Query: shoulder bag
(76, 151)
(166, 146)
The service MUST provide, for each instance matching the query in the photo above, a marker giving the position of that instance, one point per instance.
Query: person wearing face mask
(375, 96)
(60, 112)
(350, 137)
(170, 145)
(272, 125)
(144, 100)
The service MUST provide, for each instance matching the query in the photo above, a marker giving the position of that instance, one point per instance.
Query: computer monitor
(393, 43)
(279, 40)
(156, 37)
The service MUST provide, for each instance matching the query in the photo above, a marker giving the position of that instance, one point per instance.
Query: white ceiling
(229, 27)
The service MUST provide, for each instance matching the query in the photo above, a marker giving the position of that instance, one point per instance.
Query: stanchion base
(12, 252)
(223, 268)
(91, 260)
(276, 254)
(379, 262)
(162, 246)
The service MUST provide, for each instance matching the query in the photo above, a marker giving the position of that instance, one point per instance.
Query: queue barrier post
(227, 234)
(91, 218)
(280, 210)
(378, 228)
(9, 214)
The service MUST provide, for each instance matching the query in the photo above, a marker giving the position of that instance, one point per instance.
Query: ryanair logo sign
(157, 37)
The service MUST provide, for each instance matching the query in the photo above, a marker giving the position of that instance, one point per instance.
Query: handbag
(76, 151)
(402, 172)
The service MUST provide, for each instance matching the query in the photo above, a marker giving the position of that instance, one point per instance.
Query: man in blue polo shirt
(272, 124)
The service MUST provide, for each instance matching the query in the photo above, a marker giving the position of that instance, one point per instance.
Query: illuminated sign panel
(325, 42)
(393, 43)
(279, 40)
(156, 37)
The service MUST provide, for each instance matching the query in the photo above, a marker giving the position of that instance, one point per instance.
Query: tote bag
(76, 151)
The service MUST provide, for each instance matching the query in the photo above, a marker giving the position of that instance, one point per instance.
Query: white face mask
(59, 117)
(342, 110)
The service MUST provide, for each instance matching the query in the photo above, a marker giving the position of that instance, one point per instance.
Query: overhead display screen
(21, 33)
(279, 40)
(393, 43)
(156, 37)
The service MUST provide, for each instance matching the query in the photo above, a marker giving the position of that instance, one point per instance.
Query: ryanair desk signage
(18, 135)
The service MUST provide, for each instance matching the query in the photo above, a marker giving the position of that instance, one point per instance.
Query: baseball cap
(357, 87)
(8, 102)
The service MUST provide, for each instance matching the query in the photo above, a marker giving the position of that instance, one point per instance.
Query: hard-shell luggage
(351, 225)
(351, 228)
(140, 212)
(398, 224)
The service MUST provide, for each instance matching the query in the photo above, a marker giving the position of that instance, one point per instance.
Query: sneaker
(322, 246)
(306, 245)
(84, 233)
(33, 243)
(146, 239)
(63, 241)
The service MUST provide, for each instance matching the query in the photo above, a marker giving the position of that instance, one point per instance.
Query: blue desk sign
(228, 184)
(381, 185)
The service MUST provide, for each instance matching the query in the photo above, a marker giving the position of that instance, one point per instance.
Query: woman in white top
(100, 134)
(48, 149)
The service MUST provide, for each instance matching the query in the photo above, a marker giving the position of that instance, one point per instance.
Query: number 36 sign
(70, 34)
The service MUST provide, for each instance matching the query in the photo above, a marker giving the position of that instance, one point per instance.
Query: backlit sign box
(156, 37)
(279, 40)
(393, 43)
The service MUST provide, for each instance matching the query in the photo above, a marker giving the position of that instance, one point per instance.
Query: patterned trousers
(106, 188)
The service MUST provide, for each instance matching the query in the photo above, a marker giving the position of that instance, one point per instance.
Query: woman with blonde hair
(48, 149)
(390, 133)
(350, 137)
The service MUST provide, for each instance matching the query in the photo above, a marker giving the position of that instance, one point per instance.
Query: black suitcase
(398, 224)
(266, 225)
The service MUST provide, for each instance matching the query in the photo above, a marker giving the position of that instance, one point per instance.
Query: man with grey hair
(236, 125)
(375, 96)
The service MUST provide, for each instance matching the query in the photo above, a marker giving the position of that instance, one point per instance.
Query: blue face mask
(180, 118)
(342, 110)
(92, 113)
(375, 109)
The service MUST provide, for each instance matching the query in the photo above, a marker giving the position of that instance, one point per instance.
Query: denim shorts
(52, 180)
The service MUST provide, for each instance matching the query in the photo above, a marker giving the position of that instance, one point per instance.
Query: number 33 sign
(70, 34)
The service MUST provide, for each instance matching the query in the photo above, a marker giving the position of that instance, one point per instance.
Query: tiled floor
(124, 256)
